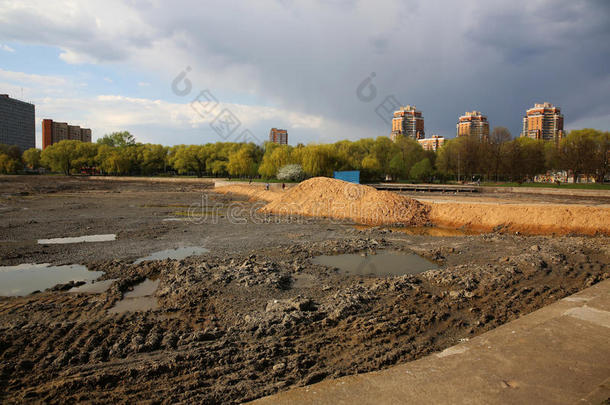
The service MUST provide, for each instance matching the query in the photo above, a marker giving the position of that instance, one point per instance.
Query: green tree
(421, 171)
(153, 158)
(31, 158)
(316, 160)
(242, 162)
(117, 139)
(532, 156)
(410, 151)
(494, 149)
(85, 154)
(384, 149)
(577, 152)
(10, 159)
(601, 160)
(275, 157)
(190, 158)
(61, 156)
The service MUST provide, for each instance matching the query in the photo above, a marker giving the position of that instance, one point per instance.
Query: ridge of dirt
(332, 198)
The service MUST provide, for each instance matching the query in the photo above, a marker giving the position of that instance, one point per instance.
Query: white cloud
(143, 84)
(6, 48)
(76, 58)
(159, 121)
(32, 79)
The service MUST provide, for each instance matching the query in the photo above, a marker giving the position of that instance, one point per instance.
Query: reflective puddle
(176, 254)
(424, 230)
(141, 298)
(78, 239)
(94, 287)
(26, 278)
(382, 264)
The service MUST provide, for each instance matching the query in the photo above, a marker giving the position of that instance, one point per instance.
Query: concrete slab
(559, 354)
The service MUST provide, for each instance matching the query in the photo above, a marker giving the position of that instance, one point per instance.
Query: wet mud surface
(254, 315)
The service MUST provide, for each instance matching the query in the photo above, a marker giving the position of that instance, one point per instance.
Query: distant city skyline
(116, 73)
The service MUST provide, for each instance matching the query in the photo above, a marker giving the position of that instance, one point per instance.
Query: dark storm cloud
(309, 56)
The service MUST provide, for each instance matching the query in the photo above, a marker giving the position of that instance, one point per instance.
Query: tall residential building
(473, 123)
(409, 122)
(17, 123)
(433, 143)
(53, 132)
(277, 135)
(544, 121)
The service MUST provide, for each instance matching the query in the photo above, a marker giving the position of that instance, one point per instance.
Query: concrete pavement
(559, 354)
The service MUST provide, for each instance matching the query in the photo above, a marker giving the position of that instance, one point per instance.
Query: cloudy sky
(325, 70)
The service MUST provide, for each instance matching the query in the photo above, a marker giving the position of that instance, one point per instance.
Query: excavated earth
(254, 315)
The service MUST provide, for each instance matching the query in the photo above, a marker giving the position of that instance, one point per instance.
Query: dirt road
(254, 315)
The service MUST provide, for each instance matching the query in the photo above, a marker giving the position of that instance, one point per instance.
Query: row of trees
(583, 152)
(499, 158)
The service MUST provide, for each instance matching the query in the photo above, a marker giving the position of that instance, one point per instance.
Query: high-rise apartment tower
(408, 122)
(473, 123)
(543, 121)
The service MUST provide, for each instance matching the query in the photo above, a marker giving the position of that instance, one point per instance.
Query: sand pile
(254, 191)
(528, 218)
(332, 198)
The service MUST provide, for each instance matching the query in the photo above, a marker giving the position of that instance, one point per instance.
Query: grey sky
(306, 58)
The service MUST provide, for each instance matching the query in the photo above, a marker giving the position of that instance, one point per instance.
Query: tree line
(499, 157)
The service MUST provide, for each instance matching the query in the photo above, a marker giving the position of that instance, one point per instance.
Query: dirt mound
(332, 198)
(528, 218)
(254, 191)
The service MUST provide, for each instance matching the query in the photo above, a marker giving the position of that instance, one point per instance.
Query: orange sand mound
(526, 218)
(254, 191)
(332, 198)
(325, 197)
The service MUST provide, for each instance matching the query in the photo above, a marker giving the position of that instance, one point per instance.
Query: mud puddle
(141, 298)
(382, 264)
(94, 287)
(78, 239)
(176, 254)
(26, 278)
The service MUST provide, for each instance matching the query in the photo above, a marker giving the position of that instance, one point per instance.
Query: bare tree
(499, 136)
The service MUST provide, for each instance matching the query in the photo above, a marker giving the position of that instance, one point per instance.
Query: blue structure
(353, 176)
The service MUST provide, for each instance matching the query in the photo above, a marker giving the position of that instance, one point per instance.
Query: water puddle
(26, 278)
(382, 264)
(94, 287)
(78, 239)
(425, 231)
(176, 254)
(141, 298)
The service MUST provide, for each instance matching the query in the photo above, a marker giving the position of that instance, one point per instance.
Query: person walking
(283, 186)
(267, 186)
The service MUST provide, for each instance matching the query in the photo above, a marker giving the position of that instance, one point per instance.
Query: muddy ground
(253, 316)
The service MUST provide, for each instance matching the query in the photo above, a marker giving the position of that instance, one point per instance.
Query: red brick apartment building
(277, 135)
(53, 132)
